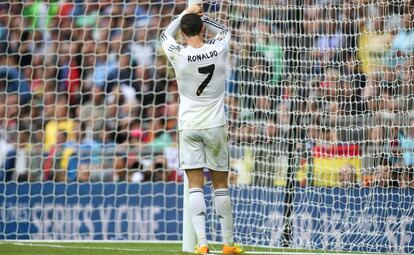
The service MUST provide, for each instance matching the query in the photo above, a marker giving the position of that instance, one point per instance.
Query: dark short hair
(191, 24)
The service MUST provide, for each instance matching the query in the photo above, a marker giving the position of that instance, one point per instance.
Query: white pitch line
(91, 241)
(28, 243)
(77, 247)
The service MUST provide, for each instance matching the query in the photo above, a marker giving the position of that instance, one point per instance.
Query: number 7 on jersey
(205, 70)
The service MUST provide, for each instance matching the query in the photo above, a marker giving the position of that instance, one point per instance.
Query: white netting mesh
(319, 93)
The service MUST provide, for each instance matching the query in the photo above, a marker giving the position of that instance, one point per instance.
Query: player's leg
(223, 208)
(217, 160)
(197, 204)
(191, 158)
(222, 205)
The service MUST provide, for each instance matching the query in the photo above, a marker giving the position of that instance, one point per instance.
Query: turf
(119, 248)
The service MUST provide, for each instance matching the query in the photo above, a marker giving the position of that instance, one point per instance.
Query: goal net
(319, 100)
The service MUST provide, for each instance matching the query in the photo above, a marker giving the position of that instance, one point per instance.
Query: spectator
(407, 83)
(327, 96)
(5, 147)
(328, 138)
(270, 130)
(107, 152)
(269, 43)
(171, 105)
(4, 20)
(161, 138)
(59, 121)
(86, 153)
(64, 21)
(384, 175)
(158, 171)
(89, 60)
(329, 42)
(60, 164)
(92, 112)
(355, 82)
(16, 85)
(69, 72)
(104, 65)
(347, 176)
(350, 29)
(402, 45)
(134, 171)
(123, 75)
(39, 14)
(128, 171)
(170, 155)
(88, 15)
(16, 166)
(373, 45)
(407, 145)
(141, 50)
(133, 144)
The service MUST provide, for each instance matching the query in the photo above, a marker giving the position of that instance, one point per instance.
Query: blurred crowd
(86, 93)
(324, 75)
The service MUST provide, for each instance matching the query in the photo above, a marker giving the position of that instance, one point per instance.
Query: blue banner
(353, 219)
(91, 211)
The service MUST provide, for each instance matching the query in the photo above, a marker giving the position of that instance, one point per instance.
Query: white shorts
(199, 148)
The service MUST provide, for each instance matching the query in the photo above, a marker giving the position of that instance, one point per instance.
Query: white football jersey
(201, 75)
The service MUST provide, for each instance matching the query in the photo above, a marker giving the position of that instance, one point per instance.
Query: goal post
(189, 235)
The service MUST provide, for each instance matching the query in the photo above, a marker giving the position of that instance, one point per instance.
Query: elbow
(163, 37)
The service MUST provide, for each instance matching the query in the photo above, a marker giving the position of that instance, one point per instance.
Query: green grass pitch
(123, 248)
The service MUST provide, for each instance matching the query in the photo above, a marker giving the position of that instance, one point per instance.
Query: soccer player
(200, 69)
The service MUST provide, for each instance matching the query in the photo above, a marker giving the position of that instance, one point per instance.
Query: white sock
(198, 214)
(224, 213)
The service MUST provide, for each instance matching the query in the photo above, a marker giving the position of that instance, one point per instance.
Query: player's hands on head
(195, 8)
